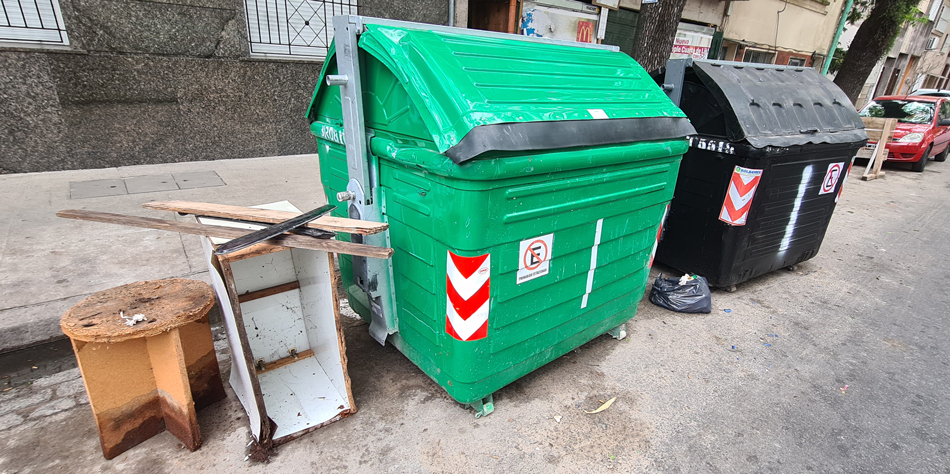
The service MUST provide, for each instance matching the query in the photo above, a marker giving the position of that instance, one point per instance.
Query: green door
(621, 28)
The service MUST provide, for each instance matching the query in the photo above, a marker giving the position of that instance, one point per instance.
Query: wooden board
(316, 380)
(877, 128)
(282, 362)
(256, 295)
(284, 240)
(333, 224)
(874, 127)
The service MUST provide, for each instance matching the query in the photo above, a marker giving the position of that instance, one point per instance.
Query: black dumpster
(759, 183)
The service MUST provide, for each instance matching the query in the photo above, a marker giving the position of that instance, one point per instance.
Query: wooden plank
(887, 127)
(264, 430)
(267, 216)
(285, 240)
(874, 126)
(251, 252)
(256, 295)
(285, 361)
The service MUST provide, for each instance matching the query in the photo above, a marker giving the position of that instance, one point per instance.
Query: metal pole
(451, 13)
(834, 42)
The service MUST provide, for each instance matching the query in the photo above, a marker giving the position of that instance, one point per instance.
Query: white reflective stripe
(466, 287)
(593, 262)
(466, 327)
(790, 228)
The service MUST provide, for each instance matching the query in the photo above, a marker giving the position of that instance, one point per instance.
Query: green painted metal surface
(418, 98)
(464, 81)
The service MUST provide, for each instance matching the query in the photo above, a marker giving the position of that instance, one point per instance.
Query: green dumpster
(524, 183)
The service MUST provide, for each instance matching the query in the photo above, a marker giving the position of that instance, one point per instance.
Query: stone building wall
(156, 81)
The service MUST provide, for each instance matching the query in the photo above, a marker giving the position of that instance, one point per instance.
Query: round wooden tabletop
(163, 304)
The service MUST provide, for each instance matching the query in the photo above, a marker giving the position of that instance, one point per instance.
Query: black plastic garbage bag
(692, 296)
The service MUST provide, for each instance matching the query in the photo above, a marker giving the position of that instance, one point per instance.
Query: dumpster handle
(808, 130)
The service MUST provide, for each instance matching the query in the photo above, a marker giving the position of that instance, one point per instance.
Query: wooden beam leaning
(267, 216)
(881, 131)
(284, 240)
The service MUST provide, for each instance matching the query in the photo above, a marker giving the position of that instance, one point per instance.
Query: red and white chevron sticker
(735, 208)
(467, 285)
(844, 180)
(659, 232)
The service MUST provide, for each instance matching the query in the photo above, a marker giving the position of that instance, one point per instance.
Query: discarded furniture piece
(281, 313)
(524, 181)
(147, 360)
(289, 361)
(881, 132)
(757, 189)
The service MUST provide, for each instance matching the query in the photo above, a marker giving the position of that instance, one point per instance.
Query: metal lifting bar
(373, 276)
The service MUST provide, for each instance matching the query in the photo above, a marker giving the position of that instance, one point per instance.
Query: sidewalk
(48, 264)
(835, 367)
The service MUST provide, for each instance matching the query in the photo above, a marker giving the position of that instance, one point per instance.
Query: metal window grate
(32, 21)
(298, 28)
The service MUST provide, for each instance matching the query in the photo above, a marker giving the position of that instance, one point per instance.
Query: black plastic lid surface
(770, 106)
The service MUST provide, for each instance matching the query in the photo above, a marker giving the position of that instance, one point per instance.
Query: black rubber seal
(527, 136)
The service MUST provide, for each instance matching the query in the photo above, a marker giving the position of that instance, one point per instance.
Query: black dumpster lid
(771, 105)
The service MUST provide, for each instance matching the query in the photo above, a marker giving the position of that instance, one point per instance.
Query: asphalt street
(836, 367)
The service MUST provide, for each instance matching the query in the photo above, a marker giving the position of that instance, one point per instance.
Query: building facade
(793, 32)
(917, 60)
(101, 83)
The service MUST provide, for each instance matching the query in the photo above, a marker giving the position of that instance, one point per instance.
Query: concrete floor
(48, 264)
(867, 313)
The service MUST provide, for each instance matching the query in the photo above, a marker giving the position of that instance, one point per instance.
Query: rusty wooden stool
(153, 374)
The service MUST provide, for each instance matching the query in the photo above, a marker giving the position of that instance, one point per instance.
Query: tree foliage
(874, 38)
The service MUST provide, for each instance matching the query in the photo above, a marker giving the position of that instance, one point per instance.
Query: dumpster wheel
(483, 407)
(619, 333)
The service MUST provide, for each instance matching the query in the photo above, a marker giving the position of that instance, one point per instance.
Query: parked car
(923, 127)
(932, 92)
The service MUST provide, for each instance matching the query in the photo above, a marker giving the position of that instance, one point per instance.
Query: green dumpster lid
(478, 94)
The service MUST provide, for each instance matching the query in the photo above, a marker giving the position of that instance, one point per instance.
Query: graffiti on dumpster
(333, 134)
(718, 146)
(467, 285)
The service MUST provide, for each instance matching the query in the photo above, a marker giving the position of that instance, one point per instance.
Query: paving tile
(96, 188)
(68, 389)
(22, 401)
(150, 184)
(9, 421)
(57, 378)
(198, 179)
(55, 406)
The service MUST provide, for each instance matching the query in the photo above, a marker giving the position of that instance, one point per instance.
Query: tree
(653, 41)
(872, 41)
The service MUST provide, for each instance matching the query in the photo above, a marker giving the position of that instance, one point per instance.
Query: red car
(923, 132)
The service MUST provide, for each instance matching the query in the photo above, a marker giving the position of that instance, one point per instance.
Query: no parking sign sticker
(534, 259)
(831, 178)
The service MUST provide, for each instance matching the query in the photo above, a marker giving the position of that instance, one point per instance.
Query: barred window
(294, 29)
(32, 21)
